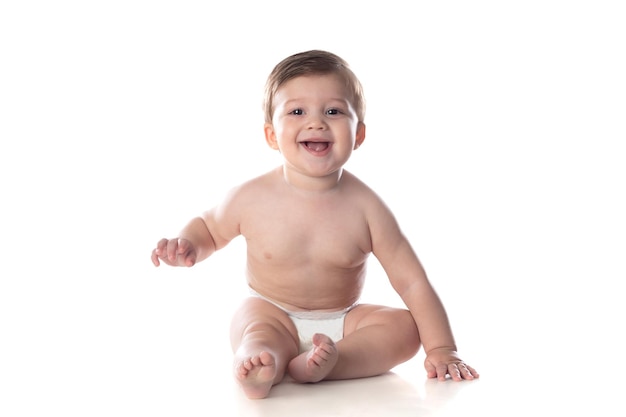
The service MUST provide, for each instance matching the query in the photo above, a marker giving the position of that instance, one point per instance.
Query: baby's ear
(270, 136)
(360, 135)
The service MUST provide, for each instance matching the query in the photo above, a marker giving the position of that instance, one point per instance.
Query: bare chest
(326, 235)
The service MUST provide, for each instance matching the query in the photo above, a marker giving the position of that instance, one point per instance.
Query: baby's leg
(375, 340)
(316, 364)
(263, 340)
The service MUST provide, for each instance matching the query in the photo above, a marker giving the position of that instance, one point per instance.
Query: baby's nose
(316, 122)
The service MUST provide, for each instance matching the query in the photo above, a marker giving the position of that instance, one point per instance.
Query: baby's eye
(297, 112)
(333, 111)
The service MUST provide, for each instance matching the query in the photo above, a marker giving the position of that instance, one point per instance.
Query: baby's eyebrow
(342, 100)
(292, 102)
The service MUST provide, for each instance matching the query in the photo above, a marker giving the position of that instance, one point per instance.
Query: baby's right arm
(202, 236)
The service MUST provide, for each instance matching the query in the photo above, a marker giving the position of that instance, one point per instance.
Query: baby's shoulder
(363, 196)
(359, 189)
(250, 190)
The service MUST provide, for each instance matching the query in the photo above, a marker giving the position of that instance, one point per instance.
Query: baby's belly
(321, 290)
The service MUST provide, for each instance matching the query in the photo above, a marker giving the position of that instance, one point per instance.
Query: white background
(495, 132)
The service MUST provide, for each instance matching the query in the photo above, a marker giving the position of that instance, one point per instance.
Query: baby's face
(314, 125)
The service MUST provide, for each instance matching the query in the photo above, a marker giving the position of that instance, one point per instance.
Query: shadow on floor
(388, 394)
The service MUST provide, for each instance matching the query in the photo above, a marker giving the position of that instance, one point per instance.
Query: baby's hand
(441, 362)
(174, 252)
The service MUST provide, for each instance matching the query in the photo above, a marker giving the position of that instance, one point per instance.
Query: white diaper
(310, 322)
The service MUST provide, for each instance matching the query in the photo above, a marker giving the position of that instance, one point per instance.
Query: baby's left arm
(408, 277)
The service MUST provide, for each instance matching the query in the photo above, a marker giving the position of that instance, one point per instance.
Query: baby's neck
(311, 184)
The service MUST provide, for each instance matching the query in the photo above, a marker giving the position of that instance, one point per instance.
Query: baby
(309, 227)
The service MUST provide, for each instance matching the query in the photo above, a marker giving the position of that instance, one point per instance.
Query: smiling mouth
(316, 146)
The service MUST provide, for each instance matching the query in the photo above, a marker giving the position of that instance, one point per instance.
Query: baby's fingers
(460, 371)
(467, 372)
(442, 370)
(159, 252)
(180, 252)
(172, 250)
(438, 371)
(187, 253)
(155, 258)
(430, 369)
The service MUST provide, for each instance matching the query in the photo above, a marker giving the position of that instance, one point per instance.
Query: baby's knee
(409, 333)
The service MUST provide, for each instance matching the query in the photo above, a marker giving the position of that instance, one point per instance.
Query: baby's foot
(316, 364)
(256, 375)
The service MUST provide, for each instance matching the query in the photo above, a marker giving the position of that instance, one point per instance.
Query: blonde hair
(313, 62)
